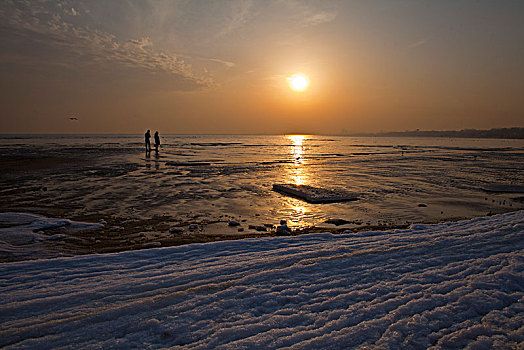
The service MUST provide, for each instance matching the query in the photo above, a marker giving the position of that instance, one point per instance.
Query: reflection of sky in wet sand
(298, 213)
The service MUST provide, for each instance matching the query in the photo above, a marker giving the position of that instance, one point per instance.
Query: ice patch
(20, 233)
(314, 194)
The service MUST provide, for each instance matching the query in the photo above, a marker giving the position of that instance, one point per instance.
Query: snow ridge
(450, 285)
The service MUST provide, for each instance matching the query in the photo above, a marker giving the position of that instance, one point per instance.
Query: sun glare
(298, 82)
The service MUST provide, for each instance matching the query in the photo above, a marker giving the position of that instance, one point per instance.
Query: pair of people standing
(148, 142)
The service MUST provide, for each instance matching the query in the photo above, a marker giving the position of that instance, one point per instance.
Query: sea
(206, 181)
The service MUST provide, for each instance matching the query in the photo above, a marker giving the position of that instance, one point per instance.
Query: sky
(182, 66)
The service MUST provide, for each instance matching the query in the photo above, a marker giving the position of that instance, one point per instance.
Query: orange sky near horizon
(223, 67)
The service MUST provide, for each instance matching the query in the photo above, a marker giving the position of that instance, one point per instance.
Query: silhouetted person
(157, 141)
(148, 142)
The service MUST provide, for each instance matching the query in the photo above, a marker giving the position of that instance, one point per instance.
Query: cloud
(418, 43)
(225, 63)
(319, 18)
(238, 16)
(44, 35)
(306, 14)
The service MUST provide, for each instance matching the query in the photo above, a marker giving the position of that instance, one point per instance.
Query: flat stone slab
(314, 194)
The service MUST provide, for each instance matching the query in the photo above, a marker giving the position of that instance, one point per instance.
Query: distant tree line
(501, 133)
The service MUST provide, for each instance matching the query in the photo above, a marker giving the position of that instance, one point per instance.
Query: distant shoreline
(502, 133)
(496, 133)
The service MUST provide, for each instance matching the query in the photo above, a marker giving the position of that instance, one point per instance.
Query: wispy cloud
(35, 30)
(239, 14)
(418, 43)
(308, 14)
(225, 63)
(319, 18)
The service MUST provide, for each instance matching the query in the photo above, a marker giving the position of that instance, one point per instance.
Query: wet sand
(119, 235)
(145, 202)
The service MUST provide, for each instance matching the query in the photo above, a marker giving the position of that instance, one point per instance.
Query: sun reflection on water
(298, 174)
(297, 149)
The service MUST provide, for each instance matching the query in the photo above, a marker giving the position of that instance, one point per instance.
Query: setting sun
(298, 82)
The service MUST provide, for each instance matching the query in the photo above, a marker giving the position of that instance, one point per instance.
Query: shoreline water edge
(209, 188)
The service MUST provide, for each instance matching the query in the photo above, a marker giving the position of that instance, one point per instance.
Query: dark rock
(422, 205)
(283, 230)
(233, 223)
(337, 222)
(176, 230)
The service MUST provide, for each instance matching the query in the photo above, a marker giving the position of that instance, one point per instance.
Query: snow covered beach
(450, 285)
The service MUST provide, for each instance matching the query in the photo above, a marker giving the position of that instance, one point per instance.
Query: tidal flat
(197, 185)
